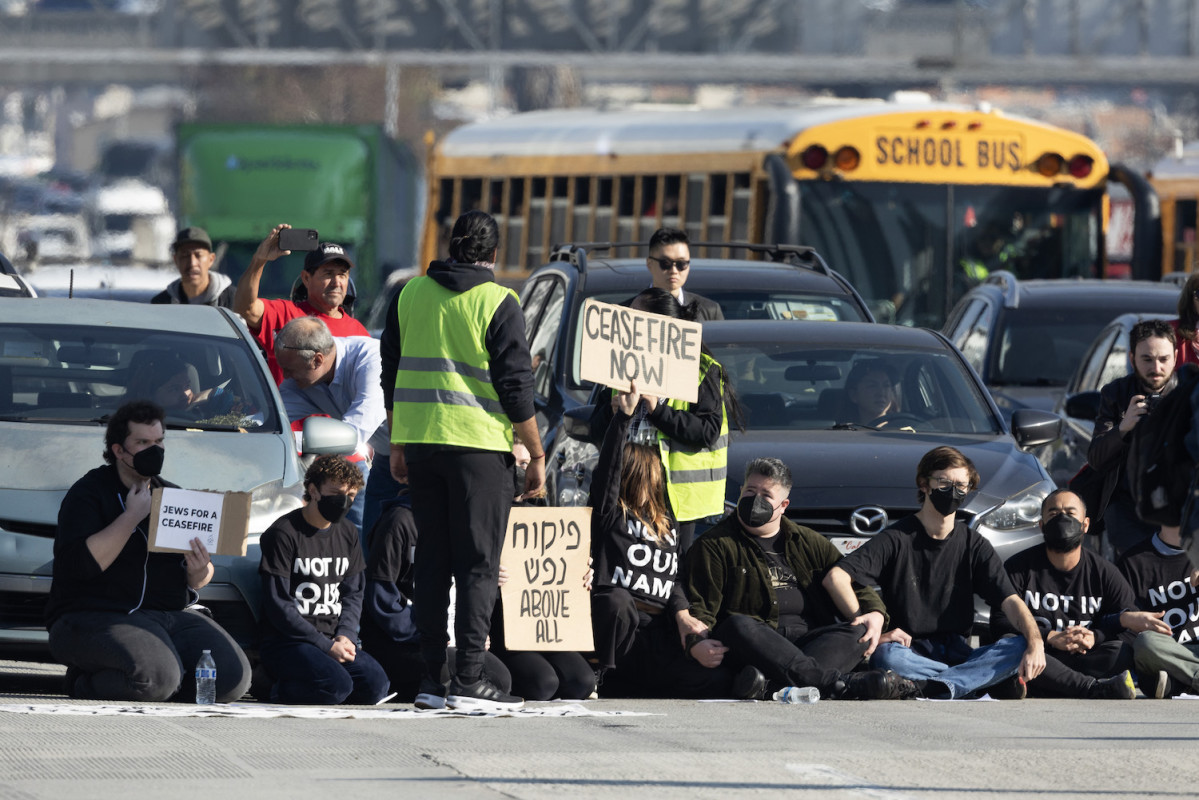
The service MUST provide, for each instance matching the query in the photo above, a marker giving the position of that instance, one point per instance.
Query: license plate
(847, 544)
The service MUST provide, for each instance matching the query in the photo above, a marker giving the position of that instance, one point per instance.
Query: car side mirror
(1033, 427)
(326, 436)
(577, 423)
(1084, 405)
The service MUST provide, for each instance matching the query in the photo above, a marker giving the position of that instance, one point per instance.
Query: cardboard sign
(546, 606)
(621, 345)
(218, 519)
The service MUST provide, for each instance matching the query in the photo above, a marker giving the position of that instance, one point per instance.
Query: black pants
(147, 655)
(549, 674)
(305, 675)
(460, 502)
(405, 667)
(643, 653)
(817, 657)
(1073, 674)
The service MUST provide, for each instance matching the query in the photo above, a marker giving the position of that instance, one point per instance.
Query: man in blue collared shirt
(339, 376)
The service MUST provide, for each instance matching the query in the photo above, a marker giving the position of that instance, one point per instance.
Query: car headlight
(270, 501)
(1021, 510)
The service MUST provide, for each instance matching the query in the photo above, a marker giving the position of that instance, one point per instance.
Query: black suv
(792, 283)
(1025, 338)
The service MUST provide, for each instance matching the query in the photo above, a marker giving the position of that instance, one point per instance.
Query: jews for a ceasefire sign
(621, 345)
(220, 520)
(546, 606)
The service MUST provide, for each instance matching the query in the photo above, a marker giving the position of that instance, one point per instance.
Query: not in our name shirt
(1092, 595)
(1160, 577)
(785, 583)
(314, 563)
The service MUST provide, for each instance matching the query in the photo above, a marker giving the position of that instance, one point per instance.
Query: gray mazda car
(854, 476)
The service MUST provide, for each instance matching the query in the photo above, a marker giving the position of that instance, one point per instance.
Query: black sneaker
(481, 695)
(876, 684)
(1117, 687)
(1013, 688)
(749, 684)
(430, 695)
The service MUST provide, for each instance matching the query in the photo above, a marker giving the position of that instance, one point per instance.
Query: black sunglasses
(666, 265)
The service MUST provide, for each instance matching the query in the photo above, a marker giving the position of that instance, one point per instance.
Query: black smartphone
(1151, 402)
(298, 239)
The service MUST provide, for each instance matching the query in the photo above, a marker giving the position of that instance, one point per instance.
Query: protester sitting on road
(313, 580)
(1123, 403)
(870, 389)
(1081, 604)
(388, 624)
(1166, 587)
(754, 582)
(1186, 339)
(326, 276)
(929, 566)
(197, 284)
(118, 615)
(639, 612)
(692, 437)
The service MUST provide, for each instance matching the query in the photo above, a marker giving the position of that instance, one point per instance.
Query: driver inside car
(870, 389)
(171, 382)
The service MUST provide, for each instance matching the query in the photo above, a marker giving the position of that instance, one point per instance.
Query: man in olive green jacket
(755, 580)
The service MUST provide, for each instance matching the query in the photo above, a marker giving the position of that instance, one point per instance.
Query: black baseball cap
(323, 254)
(193, 235)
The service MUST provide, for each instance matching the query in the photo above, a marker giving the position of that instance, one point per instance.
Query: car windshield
(74, 374)
(1042, 347)
(784, 386)
(787, 305)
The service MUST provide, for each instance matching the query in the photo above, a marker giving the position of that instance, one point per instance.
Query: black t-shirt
(387, 612)
(313, 565)
(1092, 595)
(1160, 577)
(136, 579)
(625, 551)
(786, 585)
(929, 584)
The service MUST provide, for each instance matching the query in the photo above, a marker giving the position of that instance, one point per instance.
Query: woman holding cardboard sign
(692, 438)
(639, 614)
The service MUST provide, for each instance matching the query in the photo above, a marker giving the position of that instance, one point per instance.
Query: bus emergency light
(847, 159)
(1081, 166)
(1050, 164)
(815, 157)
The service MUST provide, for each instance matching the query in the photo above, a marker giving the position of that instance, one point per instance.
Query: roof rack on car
(1178, 279)
(1009, 283)
(795, 254)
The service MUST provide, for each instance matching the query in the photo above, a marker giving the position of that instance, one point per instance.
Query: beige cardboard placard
(620, 345)
(221, 520)
(546, 606)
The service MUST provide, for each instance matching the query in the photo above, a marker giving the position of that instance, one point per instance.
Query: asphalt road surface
(683, 749)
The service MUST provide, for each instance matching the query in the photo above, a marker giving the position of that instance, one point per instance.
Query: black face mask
(148, 462)
(1062, 533)
(754, 510)
(946, 500)
(334, 506)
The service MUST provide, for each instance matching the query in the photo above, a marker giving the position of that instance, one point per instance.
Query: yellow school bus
(1176, 181)
(913, 202)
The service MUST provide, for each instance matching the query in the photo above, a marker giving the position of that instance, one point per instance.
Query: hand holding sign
(620, 345)
(626, 402)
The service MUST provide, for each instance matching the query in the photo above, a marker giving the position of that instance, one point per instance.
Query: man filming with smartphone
(1123, 403)
(326, 277)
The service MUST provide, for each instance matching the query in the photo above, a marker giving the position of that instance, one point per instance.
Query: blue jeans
(304, 675)
(953, 663)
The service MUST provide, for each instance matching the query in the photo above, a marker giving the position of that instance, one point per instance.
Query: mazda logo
(868, 520)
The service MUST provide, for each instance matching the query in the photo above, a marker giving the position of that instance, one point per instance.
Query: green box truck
(351, 183)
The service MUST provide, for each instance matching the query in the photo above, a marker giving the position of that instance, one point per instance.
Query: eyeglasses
(666, 265)
(945, 483)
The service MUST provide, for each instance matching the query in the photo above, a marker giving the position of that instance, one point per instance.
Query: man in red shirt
(326, 276)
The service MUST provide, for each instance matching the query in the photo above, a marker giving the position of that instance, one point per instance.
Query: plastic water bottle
(206, 679)
(797, 694)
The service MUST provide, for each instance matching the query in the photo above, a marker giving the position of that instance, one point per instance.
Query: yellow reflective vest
(443, 392)
(695, 479)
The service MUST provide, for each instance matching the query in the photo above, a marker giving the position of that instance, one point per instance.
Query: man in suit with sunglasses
(668, 263)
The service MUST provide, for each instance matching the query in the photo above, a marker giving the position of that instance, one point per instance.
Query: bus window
(1184, 235)
(472, 196)
(740, 210)
(670, 201)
